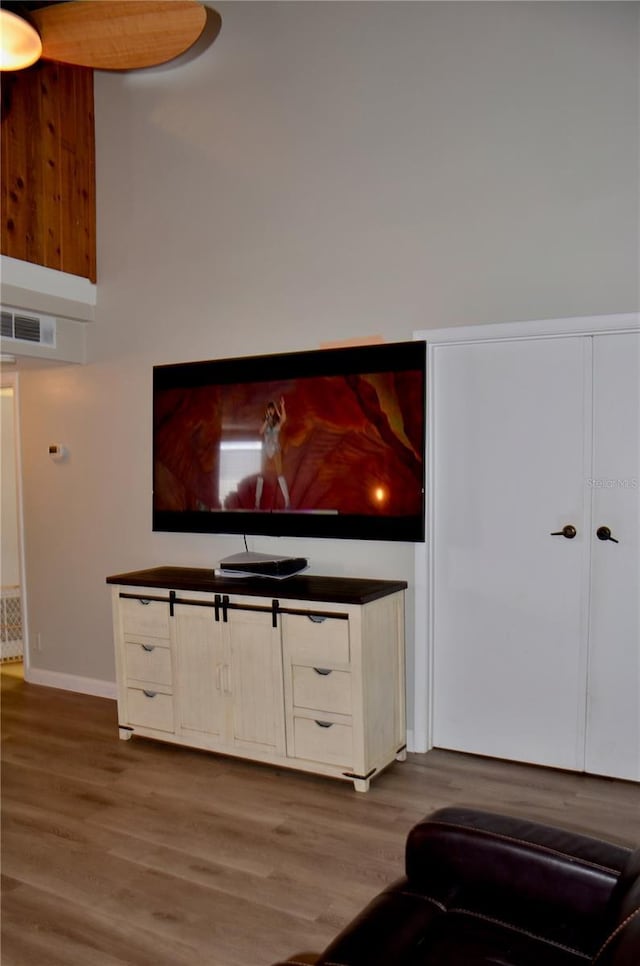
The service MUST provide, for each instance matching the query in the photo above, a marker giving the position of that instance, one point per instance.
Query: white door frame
(10, 380)
(423, 565)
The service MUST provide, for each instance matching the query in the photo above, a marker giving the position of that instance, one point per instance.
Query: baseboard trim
(71, 682)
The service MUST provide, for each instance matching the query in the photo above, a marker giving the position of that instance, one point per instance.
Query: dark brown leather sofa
(482, 888)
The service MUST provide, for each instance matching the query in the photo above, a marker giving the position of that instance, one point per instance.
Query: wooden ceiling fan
(105, 34)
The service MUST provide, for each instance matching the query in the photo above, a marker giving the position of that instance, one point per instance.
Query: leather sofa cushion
(403, 928)
(461, 939)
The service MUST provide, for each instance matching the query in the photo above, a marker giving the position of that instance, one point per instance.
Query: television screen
(326, 443)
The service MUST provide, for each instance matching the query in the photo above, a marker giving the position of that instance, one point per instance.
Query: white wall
(325, 171)
(9, 535)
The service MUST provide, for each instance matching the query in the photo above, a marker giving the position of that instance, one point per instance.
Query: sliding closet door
(613, 703)
(510, 448)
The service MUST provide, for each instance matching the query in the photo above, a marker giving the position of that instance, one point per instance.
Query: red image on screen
(340, 444)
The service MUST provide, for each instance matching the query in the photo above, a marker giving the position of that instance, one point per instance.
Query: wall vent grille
(19, 326)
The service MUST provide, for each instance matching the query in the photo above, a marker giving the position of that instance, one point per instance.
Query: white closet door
(613, 709)
(510, 601)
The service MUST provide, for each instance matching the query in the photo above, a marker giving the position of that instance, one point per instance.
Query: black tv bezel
(377, 357)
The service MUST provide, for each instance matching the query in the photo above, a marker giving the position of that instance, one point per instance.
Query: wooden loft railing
(48, 168)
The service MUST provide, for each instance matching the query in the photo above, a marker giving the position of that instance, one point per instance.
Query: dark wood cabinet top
(343, 590)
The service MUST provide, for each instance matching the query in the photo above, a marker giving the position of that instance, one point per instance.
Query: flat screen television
(325, 443)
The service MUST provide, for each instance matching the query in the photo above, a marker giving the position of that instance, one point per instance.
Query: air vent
(20, 326)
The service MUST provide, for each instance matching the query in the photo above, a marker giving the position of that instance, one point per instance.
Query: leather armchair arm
(542, 879)
(464, 847)
(470, 865)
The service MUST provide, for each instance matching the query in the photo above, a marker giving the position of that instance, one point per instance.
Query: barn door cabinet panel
(228, 675)
(306, 673)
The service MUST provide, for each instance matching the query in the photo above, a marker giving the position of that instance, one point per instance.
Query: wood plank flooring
(146, 854)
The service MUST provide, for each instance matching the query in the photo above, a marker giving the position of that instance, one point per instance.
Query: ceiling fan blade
(119, 34)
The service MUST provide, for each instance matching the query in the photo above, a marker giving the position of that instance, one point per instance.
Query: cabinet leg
(402, 755)
(125, 733)
(361, 784)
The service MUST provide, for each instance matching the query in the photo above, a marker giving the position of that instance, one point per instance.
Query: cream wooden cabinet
(306, 673)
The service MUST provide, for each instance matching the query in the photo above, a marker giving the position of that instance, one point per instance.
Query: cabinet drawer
(150, 618)
(322, 689)
(324, 741)
(150, 709)
(316, 642)
(148, 662)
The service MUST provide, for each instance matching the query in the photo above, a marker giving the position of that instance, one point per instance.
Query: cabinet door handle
(227, 679)
(144, 601)
(218, 677)
(149, 694)
(324, 724)
(148, 647)
(316, 618)
(322, 670)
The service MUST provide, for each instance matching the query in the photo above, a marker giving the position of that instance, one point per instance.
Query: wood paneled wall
(48, 168)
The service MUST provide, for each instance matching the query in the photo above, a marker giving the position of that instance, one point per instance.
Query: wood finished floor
(145, 854)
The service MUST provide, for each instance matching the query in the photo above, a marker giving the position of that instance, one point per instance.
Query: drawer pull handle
(324, 724)
(148, 647)
(316, 618)
(144, 601)
(149, 694)
(322, 670)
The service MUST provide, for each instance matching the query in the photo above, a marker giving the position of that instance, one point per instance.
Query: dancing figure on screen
(274, 419)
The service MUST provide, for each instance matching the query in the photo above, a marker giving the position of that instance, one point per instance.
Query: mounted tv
(326, 443)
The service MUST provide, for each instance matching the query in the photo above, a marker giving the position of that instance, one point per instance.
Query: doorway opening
(12, 637)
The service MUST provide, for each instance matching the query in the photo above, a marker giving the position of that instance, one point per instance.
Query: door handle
(604, 533)
(568, 531)
(226, 677)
